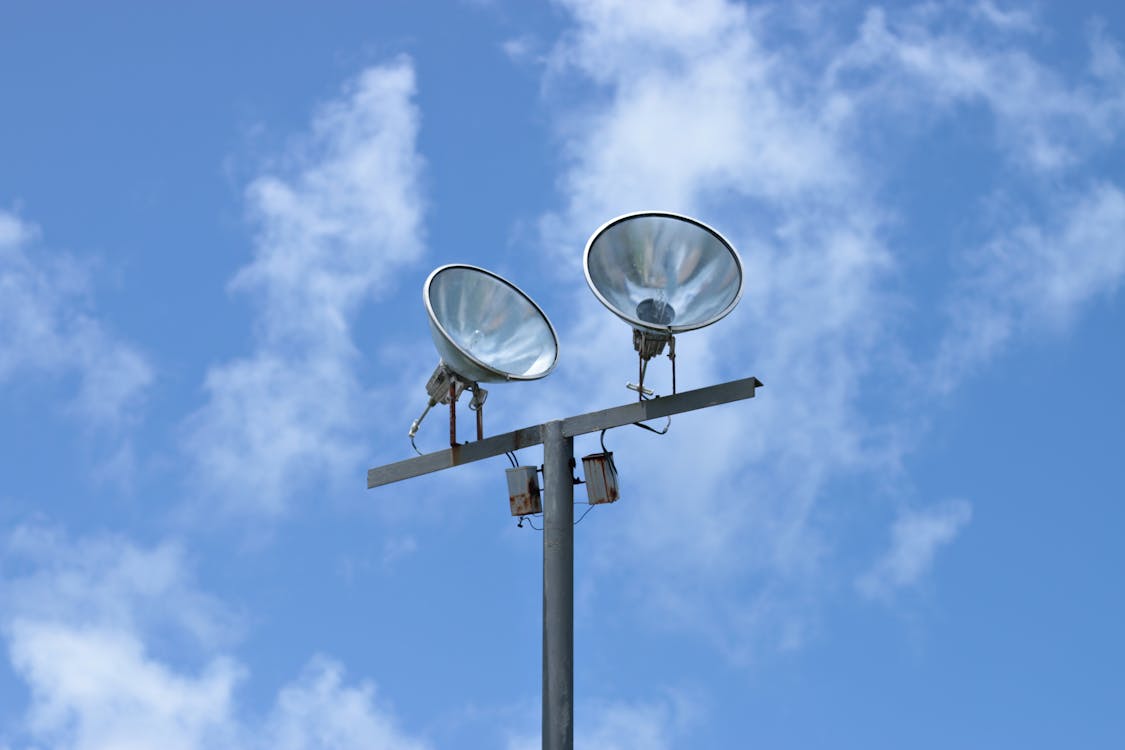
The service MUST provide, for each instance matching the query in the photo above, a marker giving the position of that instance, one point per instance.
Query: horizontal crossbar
(640, 411)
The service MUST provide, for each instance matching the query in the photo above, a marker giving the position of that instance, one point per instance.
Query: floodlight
(486, 330)
(662, 273)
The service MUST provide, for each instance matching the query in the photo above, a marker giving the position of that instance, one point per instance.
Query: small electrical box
(523, 490)
(601, 478)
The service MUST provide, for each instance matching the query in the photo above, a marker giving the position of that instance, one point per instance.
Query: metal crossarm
(557, 439)
(639, 411)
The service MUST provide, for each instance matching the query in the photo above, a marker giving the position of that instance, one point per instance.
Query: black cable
(601, 439)
(537, 528)
(415, 447)
(583, 515)
(529, 523)
(644, 426)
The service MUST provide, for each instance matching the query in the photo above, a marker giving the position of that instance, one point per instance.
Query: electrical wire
(415, 447)
(643, 426)
(664, 431)
(538, 528)
(607, 452)
(583, 515)
(530, 523)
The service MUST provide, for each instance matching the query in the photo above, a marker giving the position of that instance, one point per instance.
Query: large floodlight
(662, 273)
(486, 331)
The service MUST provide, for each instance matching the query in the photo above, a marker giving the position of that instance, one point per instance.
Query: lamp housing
(485, 328)
(663, 273)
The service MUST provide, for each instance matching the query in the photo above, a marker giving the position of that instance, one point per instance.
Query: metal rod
(557, 438)
(558, 589)
(580, 424)
(642, 368)
(452, 413)
(417, 422)
(672, 356)
(480, 422)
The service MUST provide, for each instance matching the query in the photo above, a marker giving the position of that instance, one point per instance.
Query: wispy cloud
(1035, 277)
(341, 217)
(108, 582)
(699, 115)
(319, 710)
(82, 621)
(696, 76)
(916, 537)
(625, 725)
(48, 326)
(1043, 119)
(98, 688)
(1006, 19)
(699, 108)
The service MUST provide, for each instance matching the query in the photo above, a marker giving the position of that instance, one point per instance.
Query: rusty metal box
(601, 478)
(523, 490)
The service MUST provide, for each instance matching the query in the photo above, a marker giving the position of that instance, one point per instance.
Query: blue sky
(214, 227)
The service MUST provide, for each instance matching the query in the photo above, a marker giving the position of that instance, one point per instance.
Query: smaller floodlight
(486, 330)
(663, 274)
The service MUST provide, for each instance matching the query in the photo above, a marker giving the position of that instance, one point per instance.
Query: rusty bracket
(452, 413)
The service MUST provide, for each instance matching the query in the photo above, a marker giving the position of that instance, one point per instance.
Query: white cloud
(692, 106)
(13, 231)
(331, 234)
(915, 539)
(319, 711)
(626, 725)
(96, 689)
(695, 109)
(521, 48)
(1036, 276)
(83, 623)
(699, 116)
(74, 620)
(47, 326)
(1042, 120)
(107, 582)
(1006, 19)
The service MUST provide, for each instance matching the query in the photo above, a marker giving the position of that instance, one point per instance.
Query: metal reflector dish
(663, 272)
(485, 328)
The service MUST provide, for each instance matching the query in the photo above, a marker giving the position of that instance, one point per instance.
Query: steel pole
(557, 438)
(558, 588)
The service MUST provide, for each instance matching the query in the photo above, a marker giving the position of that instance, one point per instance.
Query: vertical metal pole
(558, 589)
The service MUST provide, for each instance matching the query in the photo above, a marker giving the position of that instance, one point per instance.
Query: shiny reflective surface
(485, 328)
(662, 271)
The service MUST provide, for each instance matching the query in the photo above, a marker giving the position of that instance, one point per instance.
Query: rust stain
(527, 503)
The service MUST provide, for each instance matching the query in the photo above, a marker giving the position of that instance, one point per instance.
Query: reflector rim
(461, 350)
(636, 322)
